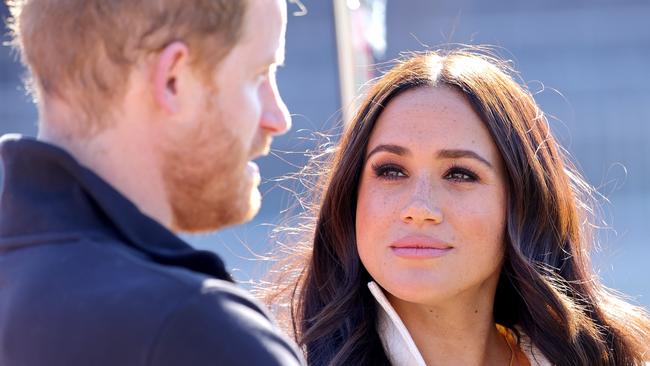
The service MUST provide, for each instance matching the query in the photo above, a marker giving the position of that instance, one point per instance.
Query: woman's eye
(388, 171)
(461, 175)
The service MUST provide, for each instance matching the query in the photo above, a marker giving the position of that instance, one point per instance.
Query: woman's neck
(460, 332)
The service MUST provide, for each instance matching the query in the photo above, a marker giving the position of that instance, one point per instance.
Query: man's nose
(275, 114)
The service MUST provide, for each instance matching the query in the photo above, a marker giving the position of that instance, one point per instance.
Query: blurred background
(587, 61)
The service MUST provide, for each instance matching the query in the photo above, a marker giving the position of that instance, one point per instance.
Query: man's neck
(121, 155)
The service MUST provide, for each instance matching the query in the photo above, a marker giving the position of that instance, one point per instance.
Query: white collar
(400, 347)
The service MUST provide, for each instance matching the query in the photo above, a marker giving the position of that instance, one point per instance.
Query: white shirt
(400, 347)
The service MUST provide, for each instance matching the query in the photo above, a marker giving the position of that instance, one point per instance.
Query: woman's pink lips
(419, 247)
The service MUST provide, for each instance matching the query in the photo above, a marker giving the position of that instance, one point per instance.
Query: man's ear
(170, 63)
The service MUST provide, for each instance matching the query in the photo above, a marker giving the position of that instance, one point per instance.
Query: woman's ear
(171, 64)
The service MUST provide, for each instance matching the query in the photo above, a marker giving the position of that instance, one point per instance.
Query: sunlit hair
(547, 286)
(82, 51)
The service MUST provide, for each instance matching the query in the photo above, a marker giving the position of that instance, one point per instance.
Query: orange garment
(520, 358)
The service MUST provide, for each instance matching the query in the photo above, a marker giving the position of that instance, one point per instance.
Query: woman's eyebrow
(442, 154)
(394, 149)
(456, 154)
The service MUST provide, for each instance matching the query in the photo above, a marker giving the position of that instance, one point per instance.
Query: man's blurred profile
(150, 114)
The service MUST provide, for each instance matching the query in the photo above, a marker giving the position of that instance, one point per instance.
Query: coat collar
(47, 194)
(402, 350)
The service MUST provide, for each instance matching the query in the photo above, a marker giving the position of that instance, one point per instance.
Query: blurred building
(587, 62)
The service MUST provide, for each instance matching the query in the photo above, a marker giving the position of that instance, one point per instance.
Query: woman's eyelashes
(461, 174)
(389, 171)
(393, 171)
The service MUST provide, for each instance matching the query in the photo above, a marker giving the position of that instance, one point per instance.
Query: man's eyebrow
(394, 149)
(456, 154)
(275, 61)
(271, 63)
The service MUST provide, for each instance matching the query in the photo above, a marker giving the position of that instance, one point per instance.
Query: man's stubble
(205, 176)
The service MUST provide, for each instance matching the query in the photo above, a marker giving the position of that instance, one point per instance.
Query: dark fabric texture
(87, 279)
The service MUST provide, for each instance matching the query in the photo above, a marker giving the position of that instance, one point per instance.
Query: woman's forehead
(429, 115)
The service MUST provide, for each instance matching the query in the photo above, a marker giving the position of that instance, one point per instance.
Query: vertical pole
(345, 52)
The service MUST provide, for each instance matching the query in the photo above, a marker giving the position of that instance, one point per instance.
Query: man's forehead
(265, 29)
(266, 13)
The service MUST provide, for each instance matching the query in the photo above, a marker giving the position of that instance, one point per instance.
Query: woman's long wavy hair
(547, 286)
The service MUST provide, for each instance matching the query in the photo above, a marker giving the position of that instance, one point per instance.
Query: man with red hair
(150, 114)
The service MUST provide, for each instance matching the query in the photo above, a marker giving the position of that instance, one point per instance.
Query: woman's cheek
(373, 223)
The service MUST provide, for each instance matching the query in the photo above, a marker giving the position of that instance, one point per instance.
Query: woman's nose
(419, 211)
(421, 206)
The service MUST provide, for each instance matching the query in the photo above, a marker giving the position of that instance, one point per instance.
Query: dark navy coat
(87, 279)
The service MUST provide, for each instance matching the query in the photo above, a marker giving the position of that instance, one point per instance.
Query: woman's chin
(415, 291)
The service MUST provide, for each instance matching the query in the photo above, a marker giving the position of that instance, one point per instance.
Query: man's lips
(252, 166)
(261, 147)
(258, 154)
(419, 247)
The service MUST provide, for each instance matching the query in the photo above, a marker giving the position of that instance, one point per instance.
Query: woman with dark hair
(451, 229)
